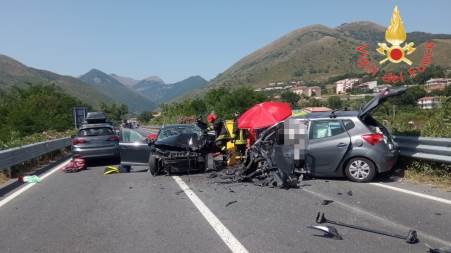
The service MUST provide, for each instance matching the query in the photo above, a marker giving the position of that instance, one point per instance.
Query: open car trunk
(369, 107)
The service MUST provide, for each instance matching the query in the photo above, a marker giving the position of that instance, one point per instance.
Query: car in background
(350, 143)
(177, 148)
(96, 141)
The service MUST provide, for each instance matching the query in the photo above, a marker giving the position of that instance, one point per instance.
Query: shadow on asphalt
(102, 162)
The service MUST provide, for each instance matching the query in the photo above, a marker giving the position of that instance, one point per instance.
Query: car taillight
(373, 138)
(77, 141)
(114, 138)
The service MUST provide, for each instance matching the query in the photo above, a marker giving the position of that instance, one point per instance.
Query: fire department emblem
(395, 35)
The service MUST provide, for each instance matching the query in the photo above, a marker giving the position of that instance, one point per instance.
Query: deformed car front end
(179, 149)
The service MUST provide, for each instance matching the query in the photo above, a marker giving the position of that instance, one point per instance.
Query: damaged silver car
(338, 143)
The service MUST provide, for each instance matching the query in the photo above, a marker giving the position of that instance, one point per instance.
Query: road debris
(231, 202)
(264, 164)
(212, 175)
(76, 164)
(326, 202)
(349, 193)
(330, 232)
(31, 179)
(410, 238)
(178, 192)
(110, 170)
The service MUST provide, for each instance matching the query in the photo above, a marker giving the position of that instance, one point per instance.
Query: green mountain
(127, 81)
(159, 92)
(317, 53)
(14, 73)
(111, 87)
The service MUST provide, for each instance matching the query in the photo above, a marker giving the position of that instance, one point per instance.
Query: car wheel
(153, 168)
(360, 170)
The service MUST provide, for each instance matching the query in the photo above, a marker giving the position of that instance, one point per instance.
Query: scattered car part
(265, 165)
(411, 237)
(231, 202)
(110, 170)
(330, 231)
(326, 202)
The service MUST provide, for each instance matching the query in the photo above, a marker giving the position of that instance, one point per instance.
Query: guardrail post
(8, 172)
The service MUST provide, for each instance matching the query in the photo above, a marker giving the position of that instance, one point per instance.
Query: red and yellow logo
(395, 35)
(395, 52)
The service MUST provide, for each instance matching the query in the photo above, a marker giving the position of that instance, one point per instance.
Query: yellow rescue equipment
(237, 144)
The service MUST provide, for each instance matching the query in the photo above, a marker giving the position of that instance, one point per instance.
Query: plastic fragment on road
(110, 170)
(326, 202)
(329, 232)
(31, 179)
(231, 202)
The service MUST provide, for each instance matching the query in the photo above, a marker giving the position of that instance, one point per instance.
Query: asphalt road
(135, 212)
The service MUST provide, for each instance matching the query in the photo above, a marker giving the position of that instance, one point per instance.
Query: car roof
(84, 126)
(327, 115)
(178, 125)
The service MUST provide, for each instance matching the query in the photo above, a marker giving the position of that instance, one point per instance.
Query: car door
(328, 144)
(133, 148)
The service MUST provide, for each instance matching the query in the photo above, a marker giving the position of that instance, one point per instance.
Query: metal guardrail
(426, 148)
(13, 156)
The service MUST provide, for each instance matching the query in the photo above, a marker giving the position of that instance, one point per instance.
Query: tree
(410, 97)
(145, 117)
(334, 102)
(34, 109)
(290, 97)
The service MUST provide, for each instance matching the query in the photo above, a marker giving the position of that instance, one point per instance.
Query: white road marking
(421, 195)
(28, 186)
(229, 239)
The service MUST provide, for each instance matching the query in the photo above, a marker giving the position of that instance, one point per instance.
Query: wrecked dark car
(181, 148)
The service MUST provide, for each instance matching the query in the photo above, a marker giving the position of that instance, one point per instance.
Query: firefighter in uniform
(221, 136)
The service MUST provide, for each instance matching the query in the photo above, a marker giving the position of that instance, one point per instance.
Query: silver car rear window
(96, 131)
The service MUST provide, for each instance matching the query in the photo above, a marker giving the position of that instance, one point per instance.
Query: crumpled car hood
(185, 141)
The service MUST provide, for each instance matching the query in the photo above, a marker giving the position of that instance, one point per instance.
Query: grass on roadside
(434, 173)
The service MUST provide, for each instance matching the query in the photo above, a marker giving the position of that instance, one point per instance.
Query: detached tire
(360, 170)
(153, 168)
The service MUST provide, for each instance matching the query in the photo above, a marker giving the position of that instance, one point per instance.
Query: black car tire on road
(361, 170)
(153, 168)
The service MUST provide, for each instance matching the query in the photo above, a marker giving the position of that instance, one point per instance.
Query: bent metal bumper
(97, 152)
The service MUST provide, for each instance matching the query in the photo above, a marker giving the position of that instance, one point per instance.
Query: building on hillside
(346, 84)
(313, 91)
(437, 84)
(381, 87)
(429, 102)
(367, 86)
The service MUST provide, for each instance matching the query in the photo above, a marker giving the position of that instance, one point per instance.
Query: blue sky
(176, 39)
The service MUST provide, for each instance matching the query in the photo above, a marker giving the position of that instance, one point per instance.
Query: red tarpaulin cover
(264, 115)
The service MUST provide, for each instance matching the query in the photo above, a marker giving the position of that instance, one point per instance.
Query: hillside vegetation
(14, 73)
(119, 93)
(316, 54)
